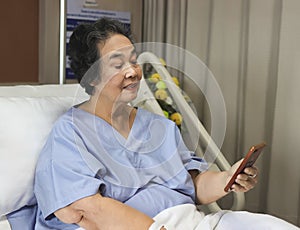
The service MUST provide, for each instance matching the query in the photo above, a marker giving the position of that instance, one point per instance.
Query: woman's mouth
(131, 86)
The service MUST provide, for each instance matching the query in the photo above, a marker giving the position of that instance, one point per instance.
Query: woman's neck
(119, 115)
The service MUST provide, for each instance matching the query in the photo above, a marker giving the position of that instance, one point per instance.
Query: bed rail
(190, 118)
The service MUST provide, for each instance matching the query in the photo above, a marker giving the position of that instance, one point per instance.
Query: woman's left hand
(246, 180)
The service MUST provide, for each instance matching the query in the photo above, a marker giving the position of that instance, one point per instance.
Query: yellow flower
(163, 62)
(155, 78)
(177, 118)
(176, 81)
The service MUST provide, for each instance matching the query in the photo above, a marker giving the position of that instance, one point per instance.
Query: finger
(251, 171)
(247, 184)
(238, 188)
(242, 176)
(244, 179)
(250, 182)
(244, 183)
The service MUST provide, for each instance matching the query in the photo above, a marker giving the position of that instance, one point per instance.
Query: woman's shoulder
(148, 117)
(66, 124)
(147, 113)
(71, 117)
(60, 138)
(64, 120)
(152, 115)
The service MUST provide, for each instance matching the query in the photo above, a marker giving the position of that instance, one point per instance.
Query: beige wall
(19, 42)
(284, 183)
(252, 48)
(49, 41)
(49, 32)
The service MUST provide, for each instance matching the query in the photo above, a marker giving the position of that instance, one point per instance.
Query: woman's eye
(134, 62)
(119, 66)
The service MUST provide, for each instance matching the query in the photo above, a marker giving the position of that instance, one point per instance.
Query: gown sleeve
(189, 158)
(62, 174)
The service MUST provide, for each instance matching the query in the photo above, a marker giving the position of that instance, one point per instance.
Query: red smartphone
(248, 161)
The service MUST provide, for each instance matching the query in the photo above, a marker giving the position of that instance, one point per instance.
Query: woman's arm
(97, 212)
(210, 185)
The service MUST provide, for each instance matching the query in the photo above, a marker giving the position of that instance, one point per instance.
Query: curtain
(165, 22)
(252, 49)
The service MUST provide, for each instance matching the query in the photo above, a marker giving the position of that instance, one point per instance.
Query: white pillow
(25, 123)
(4, 224)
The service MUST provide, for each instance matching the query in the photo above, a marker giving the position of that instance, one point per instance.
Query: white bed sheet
(4, 225)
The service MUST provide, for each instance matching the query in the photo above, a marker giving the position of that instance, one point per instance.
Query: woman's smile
(132, 86)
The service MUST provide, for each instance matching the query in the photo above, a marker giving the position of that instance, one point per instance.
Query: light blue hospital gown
(85, 155)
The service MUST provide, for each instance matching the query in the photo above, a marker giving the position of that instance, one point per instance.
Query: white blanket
(184, 217)
(187, 217)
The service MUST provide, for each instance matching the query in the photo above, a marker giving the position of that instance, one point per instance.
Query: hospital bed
(195, 129)
(27, 117)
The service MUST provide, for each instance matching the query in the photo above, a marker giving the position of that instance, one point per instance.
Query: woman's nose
(130, 72)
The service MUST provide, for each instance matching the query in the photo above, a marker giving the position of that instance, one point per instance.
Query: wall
(19, 41)
(252, 48)
(284, 184)
(49, 41)
(49, 32)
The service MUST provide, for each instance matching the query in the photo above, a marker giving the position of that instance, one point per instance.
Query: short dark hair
(83, 51)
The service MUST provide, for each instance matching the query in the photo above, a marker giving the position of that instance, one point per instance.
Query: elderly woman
(107, 165)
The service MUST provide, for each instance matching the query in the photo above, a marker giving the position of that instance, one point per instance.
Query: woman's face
(120, 73)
